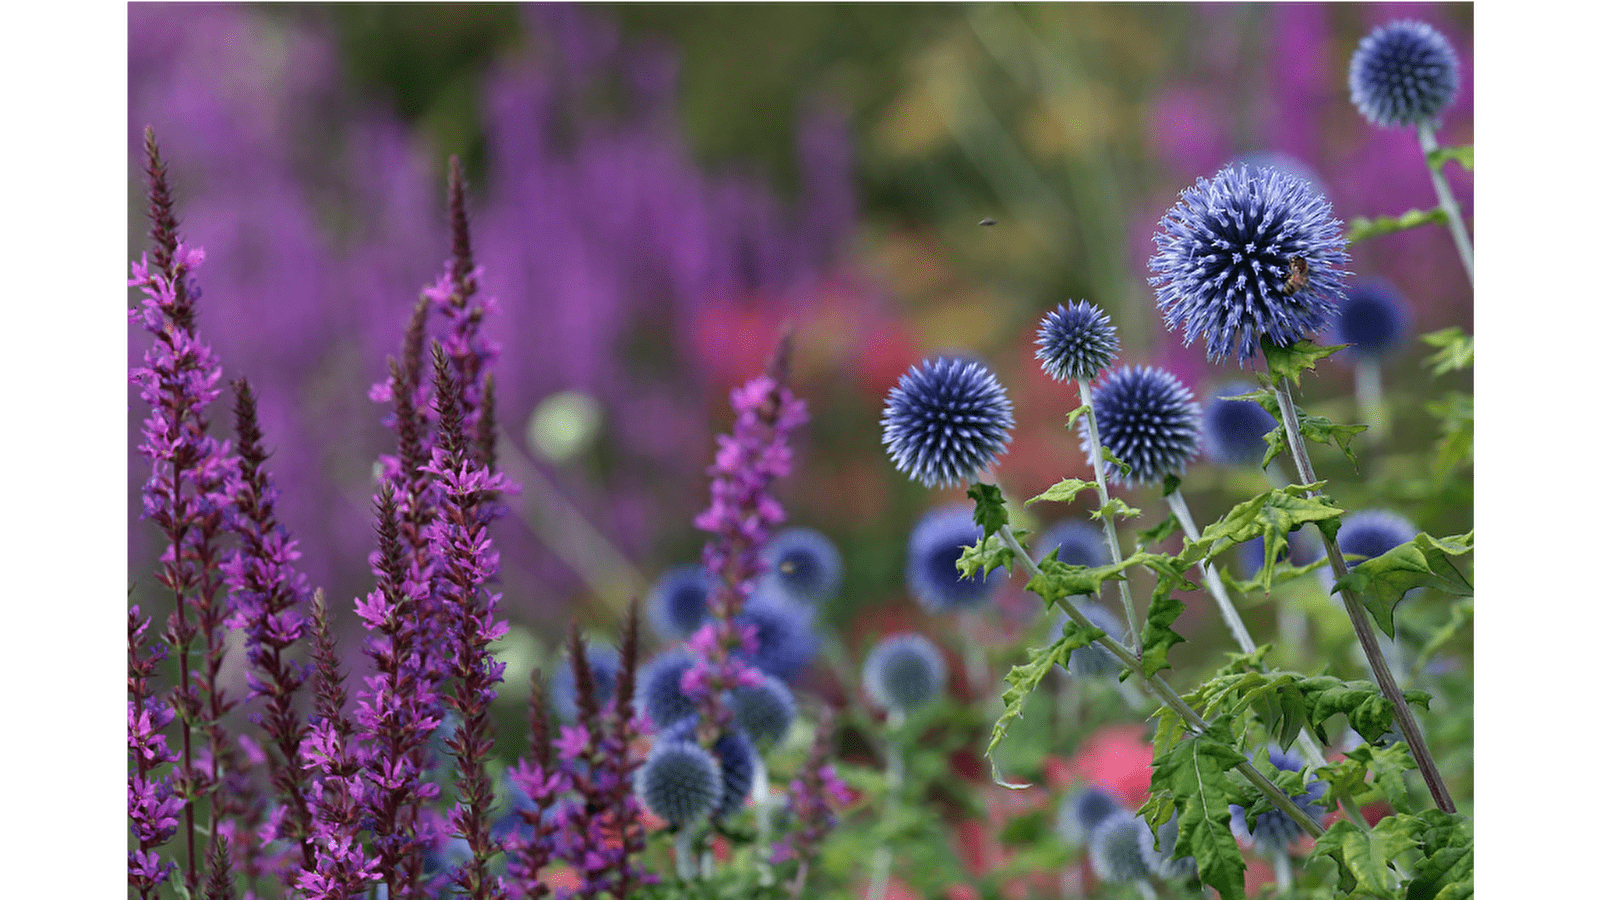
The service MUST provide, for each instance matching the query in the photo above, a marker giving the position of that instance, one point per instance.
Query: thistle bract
(1147, 419)
(1404, 73)
(937, 542)
(1246, 256)
(1076, 341)
(946, 422)
(903, 672)
(1235, 430)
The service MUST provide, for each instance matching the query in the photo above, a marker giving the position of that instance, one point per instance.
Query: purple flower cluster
(152, 808)
(814, 795)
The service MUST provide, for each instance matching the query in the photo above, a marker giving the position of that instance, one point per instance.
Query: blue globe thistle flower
(946, 422)
(1161, 862)
(1076, 542)
(785, 639)
(1373, 532)
(1243, 258)
(804, 564)
(1076, 341)
(936, 545)
(736, 762)
(659, 688)
(1147, 419)
(680, 782)
(1404, 73)
(1118, 846)
(677, 602)
(1235, 430)
(603, 665)
(903, 672)
(1274, 830)
(1373, 319)
(1095, 661)
(1082, 811)
(765, 712)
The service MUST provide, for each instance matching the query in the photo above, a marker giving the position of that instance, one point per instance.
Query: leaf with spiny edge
(1424, 561)
(1276, 697)
(1289, 362)
(1072, 417)
(1363, 856)
(1062, 491)
(1023, 679)
(1446, 869)
(1193, 778)
(1108, 456)
(989, 510)
(1164, 529)
(1157, 636)
(1057, 579)
(1455, 349)
(1116, 507)
(1386, 765)
(1441, 155)
(985, 556)
(1271, 516)
(1362, 228)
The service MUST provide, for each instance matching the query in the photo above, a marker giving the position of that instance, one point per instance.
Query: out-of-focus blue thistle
(1082, 811)
(603, 665)
(1076, 341)
(1094, 661)
(1245, 256)
(1234, 430)
(1147, 419)
(1403, 73)
(680, 782)
(1118, 846)
(936, 545)
(1372, 319)
(785, 638)
(1077, 543)
(903, 672)
(946, 422)
(736, 763)
(677, 601)
(1161, 862)
(1274, 830)
(660, 689)
(765, 712)
(804, 564)
(1374, 532)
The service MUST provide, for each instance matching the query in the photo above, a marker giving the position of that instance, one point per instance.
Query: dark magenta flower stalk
(343, 869)
(186, 494)
(152, 806)
(531, 848)
(269, 598)
(814, 794)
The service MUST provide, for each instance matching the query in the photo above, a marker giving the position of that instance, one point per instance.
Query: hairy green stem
(1158, 685)
(1107, 521)
(895, 779)
(1447, 200)
(1230, 615)
(1358, 618)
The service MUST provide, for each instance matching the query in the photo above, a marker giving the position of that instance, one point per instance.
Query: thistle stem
(895, 778)
(1107, 521)
(1447, 200)
(1369, 396)
(1164, 691)
(683, 851)
(1358, 619)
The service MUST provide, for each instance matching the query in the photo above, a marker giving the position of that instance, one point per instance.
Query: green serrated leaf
(1460, 615)
(1362, 228)
(1072, 417)
(1023, 679)
(1385, 765)
(1363, 856)
(984, 557)
(1455, 349)
(1157, 636)
(1192, 776)
(1462, 155)
(1270, 516)
(989, 512)
(1383, 581)
(1057, 579)
(1321, 430)
(1164, 529)
(1062, 491)
(1289, 362)
(1116, 507)
(1108, 456)
(1445, 872)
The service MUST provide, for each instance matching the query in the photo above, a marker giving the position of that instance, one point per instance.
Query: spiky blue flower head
(1118, 846)
(677, 602)
(1274, 830)
(804, 564)
(603, 665)
(785, 638)
(1082, 811)
(736, 762)
(1373, 532)
(1076, 542)
(1161, 862)
(1147, 419)
(903, 672)
(1247, 257)
(1076, 341)
(1373, 319)
(659, 691)
(1234, 430)
(946, 422)
(680, 782)
(937, 541)
(764, 712)
(1403, 73)
(1095, 661)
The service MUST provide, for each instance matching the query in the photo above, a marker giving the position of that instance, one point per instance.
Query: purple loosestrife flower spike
(186, 494)
(814, 794)
(1403, 73)
(1234, 431)
(152, 807)
(1243, 258)
(903, 672)
(946, 422)
(1147, 419)
(603, 664)
(270, 597)
(1076, 342)
(529, 850)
